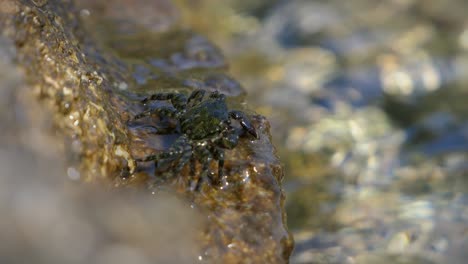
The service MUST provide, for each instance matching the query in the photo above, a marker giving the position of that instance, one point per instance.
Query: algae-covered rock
(91, 70)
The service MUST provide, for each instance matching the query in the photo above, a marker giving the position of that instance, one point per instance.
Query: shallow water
(367, 104)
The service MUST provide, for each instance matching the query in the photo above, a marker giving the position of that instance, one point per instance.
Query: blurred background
(368, 105)
(367, 102)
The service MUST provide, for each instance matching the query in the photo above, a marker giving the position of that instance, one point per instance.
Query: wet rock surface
(90, 68)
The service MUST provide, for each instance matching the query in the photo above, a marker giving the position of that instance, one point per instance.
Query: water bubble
(123, 86)
(85, 12)
(73, 174)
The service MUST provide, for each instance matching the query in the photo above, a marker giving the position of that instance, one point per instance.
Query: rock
(91, 73)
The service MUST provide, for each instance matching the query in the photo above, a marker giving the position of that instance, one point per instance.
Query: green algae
(92, 81)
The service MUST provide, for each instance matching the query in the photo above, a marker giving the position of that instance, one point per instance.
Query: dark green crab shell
(205, 119)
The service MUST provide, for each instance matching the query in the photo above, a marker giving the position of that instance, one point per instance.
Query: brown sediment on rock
(71, 84)
(92, 85)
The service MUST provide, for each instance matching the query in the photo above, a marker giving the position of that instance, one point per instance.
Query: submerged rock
(91, 73)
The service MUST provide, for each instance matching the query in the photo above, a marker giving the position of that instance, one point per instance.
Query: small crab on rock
(204, 125)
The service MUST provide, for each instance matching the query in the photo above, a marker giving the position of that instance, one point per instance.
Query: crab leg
(177, 100)
(205, 155)
(196, 96)
(175, 150)
(217, 94)
(162, 111)
(184, 159)
(219, 155)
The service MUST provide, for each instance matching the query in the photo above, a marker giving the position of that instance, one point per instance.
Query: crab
(205, 128)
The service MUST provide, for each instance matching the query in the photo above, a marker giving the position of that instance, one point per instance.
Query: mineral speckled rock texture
(92, 84)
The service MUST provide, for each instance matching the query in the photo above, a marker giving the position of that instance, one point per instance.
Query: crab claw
(244, 122)
(249, 127)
